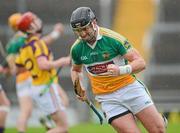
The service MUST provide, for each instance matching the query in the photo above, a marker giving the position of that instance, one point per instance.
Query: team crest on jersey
(106, 55)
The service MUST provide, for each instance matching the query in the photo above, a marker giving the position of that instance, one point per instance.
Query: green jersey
(15, 43)
(108, 49)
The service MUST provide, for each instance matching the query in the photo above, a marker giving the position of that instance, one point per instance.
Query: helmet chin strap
(94, 26)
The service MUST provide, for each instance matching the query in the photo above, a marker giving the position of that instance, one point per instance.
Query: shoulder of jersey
(112, 34)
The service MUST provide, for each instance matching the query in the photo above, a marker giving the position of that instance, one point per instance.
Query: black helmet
(81, 17)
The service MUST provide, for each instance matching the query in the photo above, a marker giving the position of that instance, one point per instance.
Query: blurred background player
(36, 57)
(23, 79)
(4, 105)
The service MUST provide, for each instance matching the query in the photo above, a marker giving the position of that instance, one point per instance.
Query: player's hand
(79, 90)
(82, 95)
(59, 28)
(113, 70)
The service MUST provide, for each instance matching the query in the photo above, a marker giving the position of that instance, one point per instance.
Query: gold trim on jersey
(108, 84)
(112, 34)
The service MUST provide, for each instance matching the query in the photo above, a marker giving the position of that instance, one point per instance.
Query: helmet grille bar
(81, 17)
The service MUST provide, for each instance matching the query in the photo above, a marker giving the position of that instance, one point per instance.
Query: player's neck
(35, 34)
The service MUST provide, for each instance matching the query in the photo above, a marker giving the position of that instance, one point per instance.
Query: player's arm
(135, 65)
(46, 64)
(11, 63)
(75, 72)
(76, 76)
(135, 60)
(54, 35)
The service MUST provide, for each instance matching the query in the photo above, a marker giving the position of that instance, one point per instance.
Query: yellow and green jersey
(12, 48)
(27, 58)
(109, 49)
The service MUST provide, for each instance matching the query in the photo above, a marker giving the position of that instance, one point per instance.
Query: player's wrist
(52, 64)
(127, 69)
(55, 35)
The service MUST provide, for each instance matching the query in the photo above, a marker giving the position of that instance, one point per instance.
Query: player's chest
(99, 53)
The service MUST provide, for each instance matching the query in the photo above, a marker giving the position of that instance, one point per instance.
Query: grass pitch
(94, 128)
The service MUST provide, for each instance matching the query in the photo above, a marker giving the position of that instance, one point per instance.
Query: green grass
(30, 130)
(171, 128)
(95, 128)
(92, 128)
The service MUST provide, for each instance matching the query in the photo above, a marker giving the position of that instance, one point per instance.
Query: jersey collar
(32, 38)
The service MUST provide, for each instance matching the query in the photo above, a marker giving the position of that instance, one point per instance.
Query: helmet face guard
(36, 26)
(79, 24)
(30, 23)
(25, 21)
(81, 18)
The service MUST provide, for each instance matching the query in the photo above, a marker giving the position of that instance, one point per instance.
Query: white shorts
(130, 99)
(49, 101)
(24, 88)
